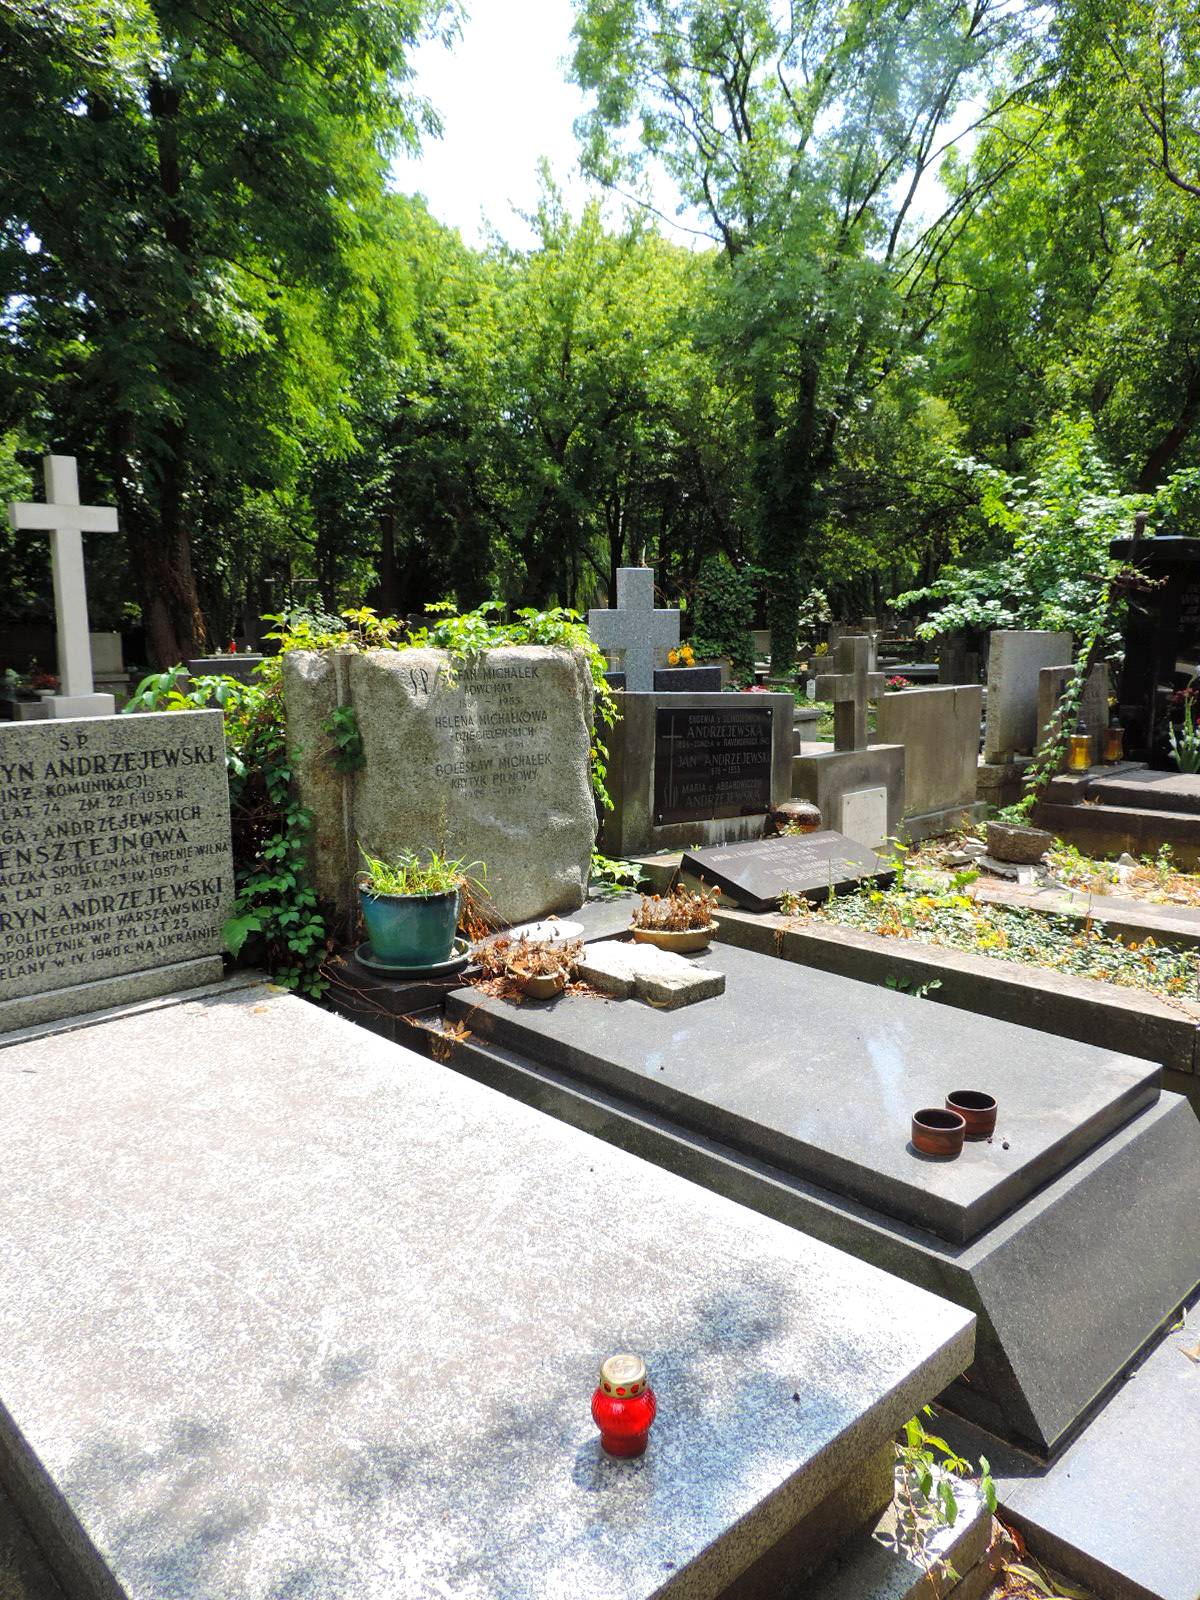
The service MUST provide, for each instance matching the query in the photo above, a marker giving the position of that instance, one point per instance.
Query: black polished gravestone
(712, 762)
(1072, 1235)
(1162, 641)
(756, 874)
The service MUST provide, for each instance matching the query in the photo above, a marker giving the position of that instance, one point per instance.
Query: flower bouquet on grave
(540, 968)
(681, 920)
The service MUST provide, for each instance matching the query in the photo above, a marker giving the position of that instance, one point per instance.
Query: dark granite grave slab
(755, 873)
(677, 680)
(820, 1075)
(1068, 1288)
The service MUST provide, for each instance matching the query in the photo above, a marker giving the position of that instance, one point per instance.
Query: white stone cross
(66, 521)
(636, 628)
(850, 687)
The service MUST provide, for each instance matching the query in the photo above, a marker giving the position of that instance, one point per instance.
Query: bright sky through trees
(505, 102)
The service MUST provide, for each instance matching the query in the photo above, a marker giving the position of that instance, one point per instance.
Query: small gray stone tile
(659, 977)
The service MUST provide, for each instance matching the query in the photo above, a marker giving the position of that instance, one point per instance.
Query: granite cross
(850, 687)
(635, 627)
(67, 521)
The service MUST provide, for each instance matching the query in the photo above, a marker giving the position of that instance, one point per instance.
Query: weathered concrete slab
(835, 1107)
(659, 977)
(289, 1311)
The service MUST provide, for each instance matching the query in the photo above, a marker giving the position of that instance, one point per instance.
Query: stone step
(1118, 1510)
(888, 1563)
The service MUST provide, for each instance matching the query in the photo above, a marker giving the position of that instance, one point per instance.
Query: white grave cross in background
(66, 521)
(636, 628)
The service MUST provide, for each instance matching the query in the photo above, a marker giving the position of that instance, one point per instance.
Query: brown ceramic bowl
(978, 1111)
(938, 1132)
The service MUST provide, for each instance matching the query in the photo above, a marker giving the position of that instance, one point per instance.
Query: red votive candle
(623, 1405)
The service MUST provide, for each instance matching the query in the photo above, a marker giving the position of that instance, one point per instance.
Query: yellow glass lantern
(1079, 749)
(1114, 743)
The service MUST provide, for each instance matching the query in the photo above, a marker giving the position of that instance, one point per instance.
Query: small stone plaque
(712, 762)
(116, 871)
(755, 874)
(864, 816)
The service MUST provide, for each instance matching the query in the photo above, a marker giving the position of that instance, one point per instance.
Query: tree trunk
(388, 591)
(1168, 447)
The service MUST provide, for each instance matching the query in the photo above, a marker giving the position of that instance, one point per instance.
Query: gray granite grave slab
(1068, 1288)
(835, 1105)
(756, 873)
(288, 1311)
(116, 871)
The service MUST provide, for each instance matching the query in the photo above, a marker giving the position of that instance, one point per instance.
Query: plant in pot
(540, 968)
(411, 906)
(681, 920)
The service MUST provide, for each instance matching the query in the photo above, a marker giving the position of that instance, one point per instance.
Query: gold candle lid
(623, 1375)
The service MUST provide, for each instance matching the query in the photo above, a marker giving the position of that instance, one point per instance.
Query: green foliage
(346, 754)
(612, 876)
(276, 922)
(1185, 740)
(930, 1467)
(410, 874)
(1056, 525)
(725, 602)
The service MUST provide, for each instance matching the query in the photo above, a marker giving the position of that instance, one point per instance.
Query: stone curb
(1085, 1009)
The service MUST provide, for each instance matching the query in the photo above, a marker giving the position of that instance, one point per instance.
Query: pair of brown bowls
(940, 1130)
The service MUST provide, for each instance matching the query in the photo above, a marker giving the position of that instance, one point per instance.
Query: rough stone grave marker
(66, 521)
(116, 872)
(486, 759)
(757, 873)
(635, 629)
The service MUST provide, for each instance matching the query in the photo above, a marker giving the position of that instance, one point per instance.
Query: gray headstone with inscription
(487, 760)
(758, 873)
(116, 867)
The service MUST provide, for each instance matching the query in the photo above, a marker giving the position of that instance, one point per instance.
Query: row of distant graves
(222, 1206)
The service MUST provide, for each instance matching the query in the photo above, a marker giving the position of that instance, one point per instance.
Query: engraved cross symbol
(850, 687)
(66, 521)
(635, 628)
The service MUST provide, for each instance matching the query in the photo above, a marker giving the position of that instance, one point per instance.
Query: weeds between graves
(955, 921)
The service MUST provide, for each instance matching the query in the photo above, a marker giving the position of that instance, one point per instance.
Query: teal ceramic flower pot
(410, 930)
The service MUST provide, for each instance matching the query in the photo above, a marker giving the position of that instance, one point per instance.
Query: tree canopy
(939, 263)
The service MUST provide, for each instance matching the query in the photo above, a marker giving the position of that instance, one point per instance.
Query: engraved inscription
(114, 847)
(711, 763)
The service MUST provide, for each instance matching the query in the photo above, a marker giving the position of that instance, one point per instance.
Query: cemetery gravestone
(1092, 712)
(247, 1245)
(758, 873)
(939, 729)
(1162, 641)
(1016, 658)
(1054, 1222)
(641, 635)
(66, 521)
(685, 769)
(487, 760)
(116, 871)
(857, 787)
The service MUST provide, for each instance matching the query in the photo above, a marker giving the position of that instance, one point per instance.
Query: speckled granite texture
(289, 1313)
